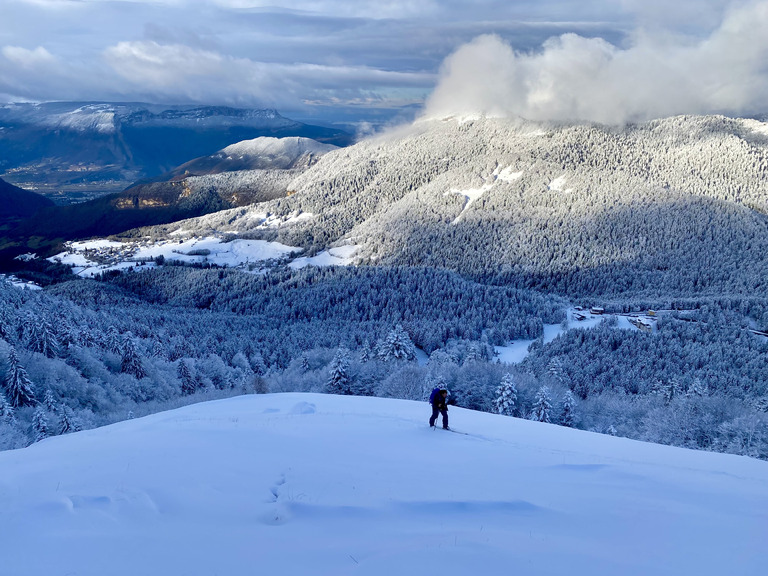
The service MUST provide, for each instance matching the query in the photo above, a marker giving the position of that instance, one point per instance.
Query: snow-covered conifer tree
(542, 409)
(131, 363)
(397, 346)
(339, 381)
(69, 423)
(567, 415)
(113, 342)
(506, 396)
(6, 411)
(257, 364)
(50, 402)
(365, 354)
(159, 351)
(698, 388)
(188, 384)
(17, 384)
(40, 336)
(40, 424)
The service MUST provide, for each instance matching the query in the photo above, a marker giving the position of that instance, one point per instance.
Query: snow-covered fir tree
(567, 408)
(40, 424)
(184, 374)
(6, 411)
(113, 341)
(49, 401)
(18, 386)
(42, 338)
(69, 422)
(697, 388)
(159, 351)
(339, 381)
(365, 353)
(131, 362)
(397, 345)
(542, 409)
(506, 396)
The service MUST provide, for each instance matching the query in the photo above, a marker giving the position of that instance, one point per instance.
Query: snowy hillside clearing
(94, 257)
(319, 484)
(337, 256)
(473, 194)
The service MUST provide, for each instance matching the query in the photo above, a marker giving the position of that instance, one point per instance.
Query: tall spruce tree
(542, 409)
(188, 384)
(18, 386)
(340, 381)
(506, 396)
(131, 363)
(40, 424)
(567, 411)
(6, 411)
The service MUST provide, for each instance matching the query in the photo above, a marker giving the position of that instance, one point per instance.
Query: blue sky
(360, 60)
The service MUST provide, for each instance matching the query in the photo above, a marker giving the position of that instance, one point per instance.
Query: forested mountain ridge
(673, 206)
(16, 202)
(241, 174)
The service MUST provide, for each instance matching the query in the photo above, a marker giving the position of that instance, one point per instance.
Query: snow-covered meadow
(320, 484)
(89, 258)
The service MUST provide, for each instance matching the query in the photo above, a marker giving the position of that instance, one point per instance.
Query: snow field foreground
(294, 484)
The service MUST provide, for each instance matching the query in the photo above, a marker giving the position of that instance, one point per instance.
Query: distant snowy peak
(264, 153)
(279, 153)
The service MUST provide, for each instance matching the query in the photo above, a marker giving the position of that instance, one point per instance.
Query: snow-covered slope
(315, 484)
(675, 205)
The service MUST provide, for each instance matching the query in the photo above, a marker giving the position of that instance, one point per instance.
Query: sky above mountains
(374, 61)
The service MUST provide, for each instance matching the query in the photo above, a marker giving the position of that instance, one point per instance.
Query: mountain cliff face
(74, 151)
(674, 205)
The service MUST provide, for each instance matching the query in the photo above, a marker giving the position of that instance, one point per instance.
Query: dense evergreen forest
(85, 353)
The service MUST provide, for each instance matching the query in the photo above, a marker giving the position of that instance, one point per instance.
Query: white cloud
(176, 70)
(576, 78)
(343, 8)
(27, 58)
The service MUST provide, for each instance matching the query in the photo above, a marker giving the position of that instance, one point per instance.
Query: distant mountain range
(73, 151)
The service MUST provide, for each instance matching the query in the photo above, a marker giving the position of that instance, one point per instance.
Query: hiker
(438, 400)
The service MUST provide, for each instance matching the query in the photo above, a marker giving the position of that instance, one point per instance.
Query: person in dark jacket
(438, 399)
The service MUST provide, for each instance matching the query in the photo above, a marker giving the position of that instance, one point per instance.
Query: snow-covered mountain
(670, 206)
(73, 150)
(320, 484)
(243, 173)
(263, 153)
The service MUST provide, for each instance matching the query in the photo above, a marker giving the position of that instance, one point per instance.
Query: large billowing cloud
(575, 78)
